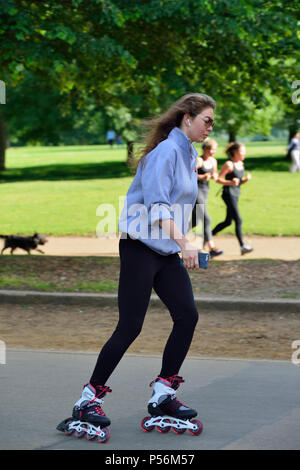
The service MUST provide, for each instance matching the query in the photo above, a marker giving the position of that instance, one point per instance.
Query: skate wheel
(178, 431)
(199, 429)
(82, 432)
(90, 436)
(104, 436)
(64, 426)
(164, 428)
(144, 427)
(68, 432)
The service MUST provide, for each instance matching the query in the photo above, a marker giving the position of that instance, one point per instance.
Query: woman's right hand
(190, 256)
(235, 181)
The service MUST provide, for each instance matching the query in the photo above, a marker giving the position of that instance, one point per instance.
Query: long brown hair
(158, 128)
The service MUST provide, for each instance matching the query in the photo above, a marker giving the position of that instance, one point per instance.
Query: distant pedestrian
(110, 137)
(231, 177)
(293, 150)
(207, 170)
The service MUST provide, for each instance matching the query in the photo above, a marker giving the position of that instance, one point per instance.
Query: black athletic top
(234, 190)
(203, 184)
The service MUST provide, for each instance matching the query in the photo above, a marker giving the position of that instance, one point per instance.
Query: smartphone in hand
(203, 259)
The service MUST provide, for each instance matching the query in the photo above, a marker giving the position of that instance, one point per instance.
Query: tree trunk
(231, 136)
(130, 155)
(3, 139)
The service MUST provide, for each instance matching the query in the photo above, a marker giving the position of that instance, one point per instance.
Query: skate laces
(102, 391)
(99, 410)
(99, 395)
(175, 381)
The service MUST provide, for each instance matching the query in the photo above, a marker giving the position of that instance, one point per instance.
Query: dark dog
(26, 243)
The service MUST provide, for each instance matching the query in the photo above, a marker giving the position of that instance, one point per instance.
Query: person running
(152, 236)
(207, 170)
(232, 177)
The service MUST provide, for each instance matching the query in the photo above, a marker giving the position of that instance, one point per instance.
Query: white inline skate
(167, 412)
(88, 418)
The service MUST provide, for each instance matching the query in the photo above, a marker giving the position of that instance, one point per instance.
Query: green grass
(33, 283)
(65, 274)
(56, 190)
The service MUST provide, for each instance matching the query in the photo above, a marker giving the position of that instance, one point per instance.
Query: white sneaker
(246, 249)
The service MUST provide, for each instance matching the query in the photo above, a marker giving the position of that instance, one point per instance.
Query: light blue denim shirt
(164, 188)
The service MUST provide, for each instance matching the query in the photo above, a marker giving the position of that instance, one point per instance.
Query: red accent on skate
(169, 381)
(175, 378)
(99, 410)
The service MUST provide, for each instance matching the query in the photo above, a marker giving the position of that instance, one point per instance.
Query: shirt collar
(183, 141)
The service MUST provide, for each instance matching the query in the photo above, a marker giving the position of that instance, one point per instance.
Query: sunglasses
(208, 122)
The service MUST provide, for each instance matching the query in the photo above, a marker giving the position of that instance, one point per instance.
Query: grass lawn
(56, 190)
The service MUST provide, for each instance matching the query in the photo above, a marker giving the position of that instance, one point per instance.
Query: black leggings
(232, 214)
(141, 269)
(200, 213)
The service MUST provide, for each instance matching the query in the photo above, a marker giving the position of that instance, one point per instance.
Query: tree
(141, 55)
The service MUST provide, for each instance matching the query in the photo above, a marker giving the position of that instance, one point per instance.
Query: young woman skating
(153, 224)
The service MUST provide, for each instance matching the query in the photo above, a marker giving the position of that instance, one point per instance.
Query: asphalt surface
(243, 404)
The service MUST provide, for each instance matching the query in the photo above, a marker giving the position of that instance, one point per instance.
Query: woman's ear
(187, 120)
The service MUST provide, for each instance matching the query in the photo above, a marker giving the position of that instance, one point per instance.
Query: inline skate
(167, 412)
(88, 418)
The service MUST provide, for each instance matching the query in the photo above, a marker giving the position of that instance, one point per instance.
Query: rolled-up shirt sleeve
(157, 182)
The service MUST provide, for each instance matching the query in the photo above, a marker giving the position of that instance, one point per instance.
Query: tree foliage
(138, 56)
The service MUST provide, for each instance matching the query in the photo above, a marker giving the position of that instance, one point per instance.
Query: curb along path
(103, 300)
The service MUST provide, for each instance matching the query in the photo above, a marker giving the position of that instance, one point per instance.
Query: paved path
(242, 404)
(287, 248)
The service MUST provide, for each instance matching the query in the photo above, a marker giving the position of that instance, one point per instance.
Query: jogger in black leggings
(232, 176)
(153, 224)
(232, 214)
